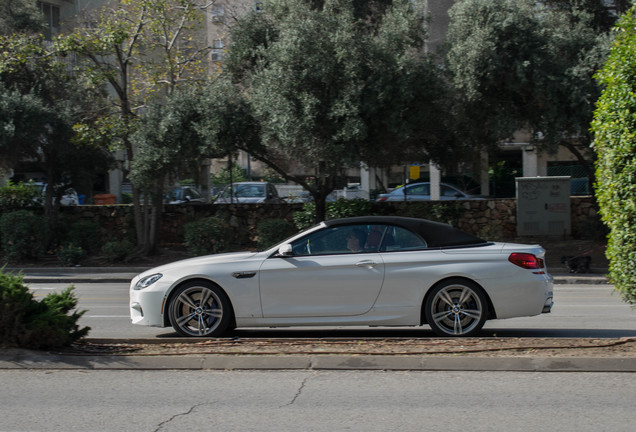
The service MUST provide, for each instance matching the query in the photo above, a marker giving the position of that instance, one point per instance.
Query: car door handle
(366, 263)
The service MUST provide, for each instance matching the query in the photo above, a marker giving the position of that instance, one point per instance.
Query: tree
(20, 16)
(526, 65)
(614, 130)
(332, 85)
(41, 101)
(166, 142)
(144, 49)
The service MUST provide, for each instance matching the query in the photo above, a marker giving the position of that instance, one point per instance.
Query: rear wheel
(456, 308)
(200, 309)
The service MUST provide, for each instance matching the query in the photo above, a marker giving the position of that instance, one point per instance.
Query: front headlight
(147, 281)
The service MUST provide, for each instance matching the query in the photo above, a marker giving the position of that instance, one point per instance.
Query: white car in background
(376, 271)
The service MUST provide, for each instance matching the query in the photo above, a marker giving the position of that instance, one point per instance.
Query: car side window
(419, 190)
(401, 239)
(346, 239)
(448, 191)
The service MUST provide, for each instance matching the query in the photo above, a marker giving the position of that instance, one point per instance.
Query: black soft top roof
(436, 234)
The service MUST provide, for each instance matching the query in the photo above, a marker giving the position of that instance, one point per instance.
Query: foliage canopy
(523, 65)
(332, 84)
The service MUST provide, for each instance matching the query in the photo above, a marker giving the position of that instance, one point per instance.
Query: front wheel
(200, 309)
(456, 308)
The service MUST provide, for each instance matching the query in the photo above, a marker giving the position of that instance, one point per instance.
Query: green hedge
(273, 231)
(206, 236)
(22, 235)
(614, 128)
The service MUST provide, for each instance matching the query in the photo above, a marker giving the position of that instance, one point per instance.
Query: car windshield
(176, 194)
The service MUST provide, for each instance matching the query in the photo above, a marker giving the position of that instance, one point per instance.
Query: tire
(200, 309)
(456, 307)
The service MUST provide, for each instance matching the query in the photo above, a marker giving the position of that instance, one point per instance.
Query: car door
(323, 278)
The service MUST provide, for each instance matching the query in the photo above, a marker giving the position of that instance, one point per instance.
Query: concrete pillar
(116, 176)
(530, 161)
(436, 178)
(484, 178)
(204, 178)
(367, 179)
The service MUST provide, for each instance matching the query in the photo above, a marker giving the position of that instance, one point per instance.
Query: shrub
(71, 254)
(272, 231)
(85, 234)
(305, 218)
(349, 208)
(339, 209)
(614, 129)
(18, 195)
(448, 212)
(117, 250)
(22, 235)
(27, 323)
(206, 236)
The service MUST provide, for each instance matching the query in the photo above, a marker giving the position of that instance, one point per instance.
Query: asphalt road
(579, 311)
(315, 401)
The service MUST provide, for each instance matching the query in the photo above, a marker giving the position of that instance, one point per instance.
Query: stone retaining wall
(494, 219)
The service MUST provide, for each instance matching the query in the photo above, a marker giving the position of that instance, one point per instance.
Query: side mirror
(286, 250)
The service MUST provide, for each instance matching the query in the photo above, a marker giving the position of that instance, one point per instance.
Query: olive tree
(527, 65)
(144, 50)
(332, 84)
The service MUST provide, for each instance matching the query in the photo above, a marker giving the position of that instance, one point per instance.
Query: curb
(28, 360)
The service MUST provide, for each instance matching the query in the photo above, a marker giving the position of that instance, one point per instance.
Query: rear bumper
(549, 293)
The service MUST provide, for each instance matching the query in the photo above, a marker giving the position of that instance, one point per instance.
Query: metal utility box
(543, 206)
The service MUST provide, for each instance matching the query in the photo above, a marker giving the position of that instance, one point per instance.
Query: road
(315, 401)
(579, 311)
(322, 400)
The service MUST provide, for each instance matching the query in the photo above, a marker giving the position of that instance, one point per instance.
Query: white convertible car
(375, 271)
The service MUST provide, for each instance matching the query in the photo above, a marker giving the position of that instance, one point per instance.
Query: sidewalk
(24, 359)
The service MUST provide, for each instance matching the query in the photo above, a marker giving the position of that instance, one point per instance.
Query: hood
(200, 261)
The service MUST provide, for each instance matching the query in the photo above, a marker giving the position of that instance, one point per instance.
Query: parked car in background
(372, 270)
(422, 192)
(185, 195)
(69, 196)
(249, 193)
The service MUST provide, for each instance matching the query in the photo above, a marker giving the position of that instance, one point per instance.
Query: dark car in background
(249, 193)
(185, 195)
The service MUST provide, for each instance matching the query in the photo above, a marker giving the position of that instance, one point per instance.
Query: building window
(258, 6)
(52, 18)
(217, 14)
(218, 44)
(216, 55)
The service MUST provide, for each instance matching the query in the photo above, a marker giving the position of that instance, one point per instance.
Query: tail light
(527, 261)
